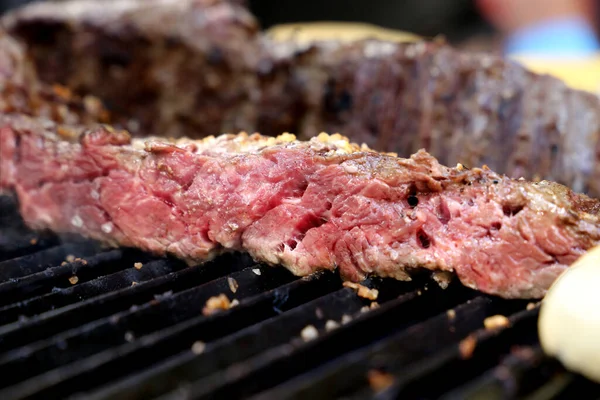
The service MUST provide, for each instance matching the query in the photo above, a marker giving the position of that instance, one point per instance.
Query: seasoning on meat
(363, 291)
(322, 204)
(216, 304)
(74, 279)
(443, 278)
(138, 265)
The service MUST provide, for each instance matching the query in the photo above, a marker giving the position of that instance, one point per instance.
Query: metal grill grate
(120, 332)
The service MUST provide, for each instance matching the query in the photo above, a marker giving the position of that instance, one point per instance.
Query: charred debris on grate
(285, 335)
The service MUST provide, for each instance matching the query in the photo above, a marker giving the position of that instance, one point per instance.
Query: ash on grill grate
(77, 320)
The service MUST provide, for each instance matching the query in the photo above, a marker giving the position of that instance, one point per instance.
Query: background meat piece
(200, 67)
(172, 65)
(469, 108)
(22, 92)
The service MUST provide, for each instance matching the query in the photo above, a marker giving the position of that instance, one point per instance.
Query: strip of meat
(307, 205)
(198, 67)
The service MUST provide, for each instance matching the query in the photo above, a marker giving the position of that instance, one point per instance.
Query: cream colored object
(343, 31)
(569, 322)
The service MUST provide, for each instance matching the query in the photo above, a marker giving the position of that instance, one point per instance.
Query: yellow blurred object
(579, 73)
(344, 31)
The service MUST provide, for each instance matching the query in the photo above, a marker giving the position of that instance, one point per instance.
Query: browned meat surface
(198, 67)
(462, 107)
(306, 205)
(22, 92)
(173, 66)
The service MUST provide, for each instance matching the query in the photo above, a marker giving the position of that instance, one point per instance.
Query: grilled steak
(195, 67)
(307, 205)
(22, 92)
(175, 65)
(461, 107)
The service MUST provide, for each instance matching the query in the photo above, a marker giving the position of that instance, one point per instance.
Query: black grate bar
(55, 321)
(139, 321)
(350, 372)
(253, 340)
(120, 361)
(30, 264)
(281, 363)
(61, 297)
(490, 347)
(567, 386)
(518, 376)
(231, 349)
(15, 244)
(555, 388)
(42, 282)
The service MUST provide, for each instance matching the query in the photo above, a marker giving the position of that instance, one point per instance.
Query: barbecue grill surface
(119, 332)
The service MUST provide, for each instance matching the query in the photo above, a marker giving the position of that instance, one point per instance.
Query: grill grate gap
(519, 376)
(491, 346)
(55, 321)
(13, 269)
(58, 297)
(281, 363)
(250, 341)
(17, 244)
(234, 348)
(139, 321)
(15, 239)
(121, 360)
(426, 338)
(59, 276)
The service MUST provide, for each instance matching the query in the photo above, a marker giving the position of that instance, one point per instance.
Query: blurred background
(529, 30)
(458, 20)
(511, 26)
(487, 24)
